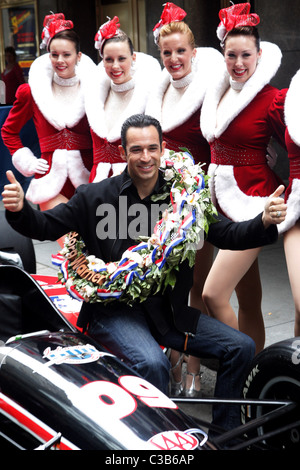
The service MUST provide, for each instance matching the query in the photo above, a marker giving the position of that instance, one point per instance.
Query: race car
(59, 389)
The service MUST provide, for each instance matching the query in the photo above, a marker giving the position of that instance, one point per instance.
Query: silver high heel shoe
(175, 388)
(191, 392)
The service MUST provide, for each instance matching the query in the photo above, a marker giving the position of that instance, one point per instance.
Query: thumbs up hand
(13, 194)
(275, 208)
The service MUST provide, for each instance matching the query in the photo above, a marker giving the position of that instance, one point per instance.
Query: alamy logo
(130, 221)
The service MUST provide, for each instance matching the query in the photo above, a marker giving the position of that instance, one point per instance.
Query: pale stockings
(291, 242)
(236, 270)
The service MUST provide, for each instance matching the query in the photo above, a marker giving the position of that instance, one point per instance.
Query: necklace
(65, 81)
(183, 82)
(236, 86)
(119, 88)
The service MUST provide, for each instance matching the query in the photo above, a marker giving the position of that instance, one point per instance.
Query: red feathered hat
(235, 16)
(53, 24)
(108, 30)
(170, 13)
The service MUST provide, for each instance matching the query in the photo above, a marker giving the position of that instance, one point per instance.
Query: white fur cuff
(237, 205)
(24, 161)
(77, 172)
(118, 168)
(102, 171)
(293, 208)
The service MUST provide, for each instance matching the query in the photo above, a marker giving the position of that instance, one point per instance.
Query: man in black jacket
(134, 333)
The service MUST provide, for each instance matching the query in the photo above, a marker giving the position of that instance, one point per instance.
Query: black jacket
(85, 214)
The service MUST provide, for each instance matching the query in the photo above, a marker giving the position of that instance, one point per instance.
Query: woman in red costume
(53, 98)
(119, 89)
(12, 75)
(240, 113)
(291, 226)
(176, 103)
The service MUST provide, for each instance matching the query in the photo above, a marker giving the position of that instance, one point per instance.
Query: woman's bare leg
(204, 259)
(227, 270)
(249, 294)
(291, 242)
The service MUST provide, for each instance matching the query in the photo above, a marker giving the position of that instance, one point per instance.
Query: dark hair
(245, 31)
(140, 121)
(10, 50)
(69, 35)
(122, 37)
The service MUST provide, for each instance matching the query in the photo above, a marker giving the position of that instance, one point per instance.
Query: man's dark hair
(139, 120)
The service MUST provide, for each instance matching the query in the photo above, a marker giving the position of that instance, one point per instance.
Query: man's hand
(275, 208)
(13, 194)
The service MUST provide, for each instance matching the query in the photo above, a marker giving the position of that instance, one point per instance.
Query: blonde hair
(177, 27)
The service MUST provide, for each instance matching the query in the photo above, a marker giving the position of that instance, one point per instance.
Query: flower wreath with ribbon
(151, 265)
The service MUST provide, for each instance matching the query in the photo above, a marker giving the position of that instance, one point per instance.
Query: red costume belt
(176, 146)
(107, 152)
(294, 167)
(222, 155)
(66, 140)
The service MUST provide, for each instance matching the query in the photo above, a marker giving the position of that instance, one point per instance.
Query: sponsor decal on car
(179, 440)
(80, 354)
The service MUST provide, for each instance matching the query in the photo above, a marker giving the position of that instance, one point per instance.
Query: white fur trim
(77, 172)
(40, 81)
(293, 208)
(265, 71)
(146, 72)
(43, 189)
(234, 202)
(221, 31)
(102, 171)
(292, 104)
(65, 163)
(207, 63)
(211, 173)
(118, 168)
(22, 160)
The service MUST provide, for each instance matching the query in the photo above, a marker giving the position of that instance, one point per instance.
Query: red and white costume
(108, 106)
(292, 139)
(12, 78)
(239, 131)
(62, 129)
(176, 104)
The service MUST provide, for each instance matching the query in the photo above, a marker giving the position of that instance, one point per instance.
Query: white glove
(27, 164)
(39, 166)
